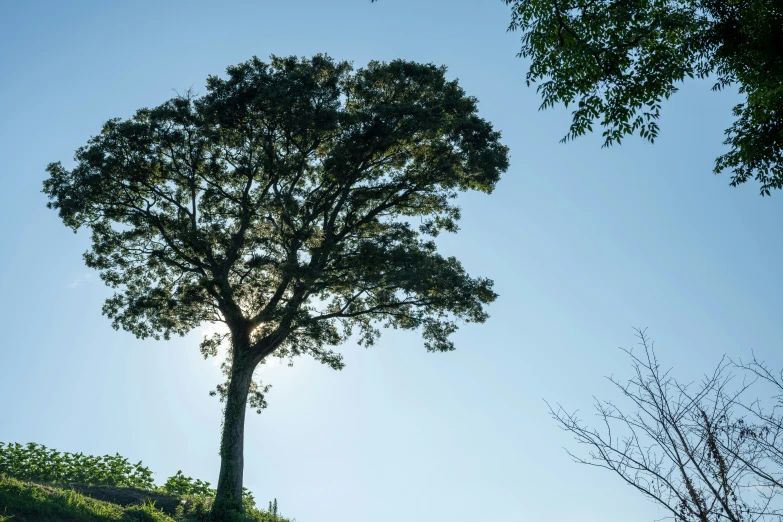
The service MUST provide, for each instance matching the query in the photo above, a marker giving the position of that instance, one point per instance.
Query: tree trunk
(229, 488)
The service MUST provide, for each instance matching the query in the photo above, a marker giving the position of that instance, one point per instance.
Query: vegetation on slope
(39, 484)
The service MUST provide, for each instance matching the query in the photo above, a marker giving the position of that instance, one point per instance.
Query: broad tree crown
(295, 201)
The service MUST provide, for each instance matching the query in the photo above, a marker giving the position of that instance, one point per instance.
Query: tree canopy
(617, 60)
(296, 202)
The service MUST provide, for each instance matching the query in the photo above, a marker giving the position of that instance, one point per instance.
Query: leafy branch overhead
(617, 61)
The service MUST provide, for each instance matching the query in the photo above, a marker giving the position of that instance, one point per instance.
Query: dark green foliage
(39, 463)
(182, 485)
(36, 481)
(617, 60)
(179, 484)
(282, 203)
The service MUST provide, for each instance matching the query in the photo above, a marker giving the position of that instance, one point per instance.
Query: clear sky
(583, 243)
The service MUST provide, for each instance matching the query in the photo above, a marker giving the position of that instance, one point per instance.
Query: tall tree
(618, 59)
(283, 203)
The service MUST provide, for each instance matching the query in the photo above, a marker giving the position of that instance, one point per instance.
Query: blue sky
(583, 243)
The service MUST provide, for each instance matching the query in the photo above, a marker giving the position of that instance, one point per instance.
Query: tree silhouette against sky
(296, 203)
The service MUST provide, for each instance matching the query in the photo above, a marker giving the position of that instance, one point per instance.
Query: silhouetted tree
(762, 428)
(617, 60)
(691, 448)
(284, 203)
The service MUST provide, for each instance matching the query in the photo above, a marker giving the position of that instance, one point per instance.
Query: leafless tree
(761, 428)
(694, 448)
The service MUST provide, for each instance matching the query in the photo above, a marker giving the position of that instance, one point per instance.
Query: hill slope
(40, 484)
(37, 502)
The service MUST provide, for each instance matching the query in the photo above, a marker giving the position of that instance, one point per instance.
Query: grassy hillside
(38, 484)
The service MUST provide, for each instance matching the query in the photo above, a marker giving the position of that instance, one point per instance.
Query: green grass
(38, 484)
(28, 501)
(22, 501)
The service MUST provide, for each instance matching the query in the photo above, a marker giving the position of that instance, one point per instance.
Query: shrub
(36, 462)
